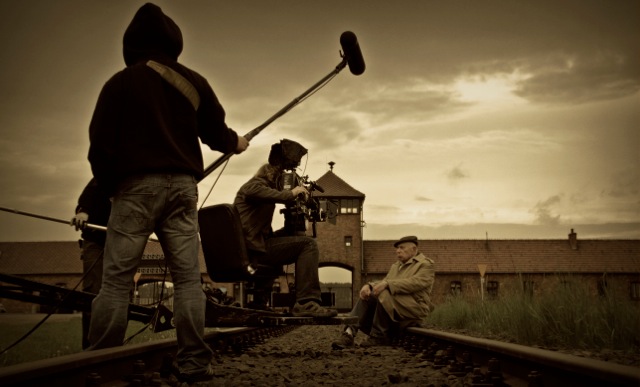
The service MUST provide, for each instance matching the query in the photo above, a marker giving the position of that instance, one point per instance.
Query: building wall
(334, 252)
(617, 284)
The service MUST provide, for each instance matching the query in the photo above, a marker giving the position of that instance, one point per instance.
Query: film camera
(303, 211)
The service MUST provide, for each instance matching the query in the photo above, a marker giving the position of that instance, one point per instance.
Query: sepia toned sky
(473, 119)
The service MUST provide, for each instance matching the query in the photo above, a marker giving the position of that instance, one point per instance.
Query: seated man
(256, 202)
(400, 300)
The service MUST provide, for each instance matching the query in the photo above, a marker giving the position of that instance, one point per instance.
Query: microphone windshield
(352, 52)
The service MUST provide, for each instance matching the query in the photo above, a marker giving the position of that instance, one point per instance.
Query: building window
(635, 290)
(492, 289)
(349, 206)
(602, 287)
(348, 241)
(528, 287)
(456, 288)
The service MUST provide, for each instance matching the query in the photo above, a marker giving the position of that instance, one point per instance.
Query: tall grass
(57, 338)
(569, 317)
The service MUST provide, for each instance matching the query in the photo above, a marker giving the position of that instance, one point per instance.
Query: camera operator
(256, 201)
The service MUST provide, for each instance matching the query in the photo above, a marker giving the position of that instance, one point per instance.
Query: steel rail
(491, 362)
(536, 366)
(114, 366)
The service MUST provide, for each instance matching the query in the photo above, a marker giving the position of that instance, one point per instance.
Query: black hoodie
(144, 124)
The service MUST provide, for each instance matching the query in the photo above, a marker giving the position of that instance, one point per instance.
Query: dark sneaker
(345, 341)
(192, 379)
(374, 342)
(312, 309)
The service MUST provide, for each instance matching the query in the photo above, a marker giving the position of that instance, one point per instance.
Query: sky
(472, 120)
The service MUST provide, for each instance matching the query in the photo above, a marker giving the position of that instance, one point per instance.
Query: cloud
(543, 211)
(623, 184)
(411, 100)
(481, 231)
(580, 78)
(456, 174)
(382, 208)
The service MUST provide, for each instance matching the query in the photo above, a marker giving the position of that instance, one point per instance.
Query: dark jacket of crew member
(256, 201)
(132, 130)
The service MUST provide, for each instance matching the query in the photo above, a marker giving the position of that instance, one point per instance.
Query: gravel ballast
(304, 357)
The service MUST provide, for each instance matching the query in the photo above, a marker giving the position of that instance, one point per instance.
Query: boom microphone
(351, 56)
(352, 52)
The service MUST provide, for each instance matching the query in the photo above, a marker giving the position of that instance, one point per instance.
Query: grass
(570, 317)
(52, 339)
(56, 337)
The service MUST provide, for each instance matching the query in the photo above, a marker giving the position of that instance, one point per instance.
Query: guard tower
(340, 237)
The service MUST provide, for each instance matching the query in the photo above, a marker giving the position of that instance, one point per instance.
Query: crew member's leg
(178, 233)
(129, 227)
(92, 268)
(304, 252)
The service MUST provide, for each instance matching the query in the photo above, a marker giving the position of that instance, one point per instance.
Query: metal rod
(251, 134)
(67, 222)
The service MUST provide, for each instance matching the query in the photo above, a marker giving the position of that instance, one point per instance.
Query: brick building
(533, 265)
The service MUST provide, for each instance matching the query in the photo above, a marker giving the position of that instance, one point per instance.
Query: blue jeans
(167, 205)
(303, 251)
(92, 269)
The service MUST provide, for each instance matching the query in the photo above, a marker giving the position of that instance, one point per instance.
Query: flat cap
(412, 239)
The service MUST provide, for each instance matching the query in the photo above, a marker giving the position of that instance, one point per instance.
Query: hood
(151, 33)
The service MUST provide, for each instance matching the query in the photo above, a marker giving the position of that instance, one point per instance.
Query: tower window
(349, 206)
(348, 241)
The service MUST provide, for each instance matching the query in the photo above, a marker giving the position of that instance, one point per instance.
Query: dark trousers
(303, 251)
(373, 319)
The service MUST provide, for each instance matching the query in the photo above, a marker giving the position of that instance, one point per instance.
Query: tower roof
(336, 187)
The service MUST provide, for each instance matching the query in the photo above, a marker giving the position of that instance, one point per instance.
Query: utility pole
(482, 268)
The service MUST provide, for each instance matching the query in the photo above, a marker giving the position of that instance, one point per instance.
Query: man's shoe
(312, 309)
(374, 342)
(192, 379)
(345, 341)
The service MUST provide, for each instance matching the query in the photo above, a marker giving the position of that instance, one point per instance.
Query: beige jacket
(408, 296)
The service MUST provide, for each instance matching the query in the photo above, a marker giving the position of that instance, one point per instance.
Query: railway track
(495, 363)
(140, 364)
(428, 354)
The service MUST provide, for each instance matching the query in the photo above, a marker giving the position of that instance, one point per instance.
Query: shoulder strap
(176, 80)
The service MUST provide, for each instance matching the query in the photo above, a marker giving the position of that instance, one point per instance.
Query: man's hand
(243, 144)
(300, 190)
(80, 220)
(379, 288)
(365, 292)
(369, 290)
